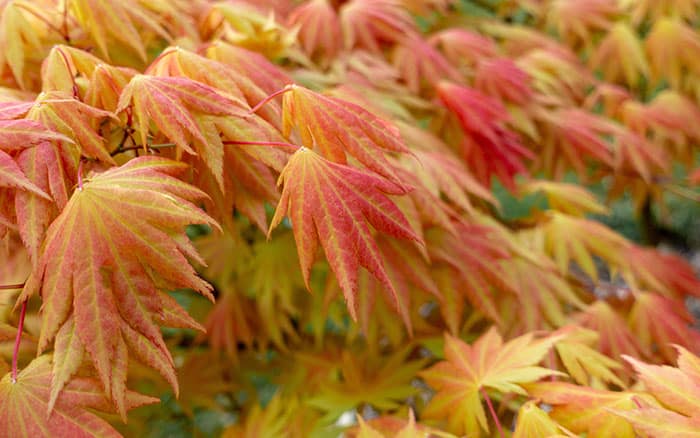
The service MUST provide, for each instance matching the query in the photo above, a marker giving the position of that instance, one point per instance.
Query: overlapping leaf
(488, 363)
(24, 405)
(116, 242)
(335, 128)
(332, 204)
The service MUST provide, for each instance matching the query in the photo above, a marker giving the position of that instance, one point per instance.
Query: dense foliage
(291, 218)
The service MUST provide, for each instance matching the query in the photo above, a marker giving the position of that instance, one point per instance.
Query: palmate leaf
(177, 105)
(660, 321)
(379, 380)
(370, 23)
(678, 389)
(116, 24)
(335, 128)
(24, 405)
(116, 242)
(488, 363)
(331, 204)
(319, 28)
(587, 410)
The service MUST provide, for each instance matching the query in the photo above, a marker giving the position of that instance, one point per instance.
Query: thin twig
(11, 286)
(269, 98)
(493, 412)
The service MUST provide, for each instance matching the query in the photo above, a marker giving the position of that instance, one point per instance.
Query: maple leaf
(540, 301)
(533, 422)
(369, 23)
(489, 363)
(231, 321)
(19, 37)
(334, 128)
(24, 405)
(582, 362)
(677, 388)
(667, 274)
(418, 62)
(673, 47)
(62, 113)
(176, 105)
(65, 67)
(104, 258)
(620, 56)
(319, 28)
(571, 199)
(661, 423)
(331, 204)
(615, 336)
(569, 238)
(557, 75)
(44, 166)
(202, 379)
(117, 24)
(381, 381)
(575, 21)
(272, 420)
(503, 79)
(660, 321)
(462, 46)
(488, 146)
(587, 410)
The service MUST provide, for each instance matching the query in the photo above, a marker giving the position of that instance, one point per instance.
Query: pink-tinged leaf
(12, 176)
(62, 113)
(671, 386)
(335, 128)
(419, 63)
(488, 147)
(318, 28)
(660, 321)
(67, 358)
(23, 133)
(462, 46)
(169, 102)
(44, 166)
(371, 23)
(503, 79)
(24, 405)
(107, 254)
(586, 410)
(488, 363)
(661, 423)
(332, 204)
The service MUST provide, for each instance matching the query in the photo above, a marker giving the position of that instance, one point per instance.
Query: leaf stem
(270, 97)
(493, 412)
(15, 352)
(11, 286)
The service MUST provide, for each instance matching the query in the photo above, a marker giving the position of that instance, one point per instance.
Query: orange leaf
(334, 128)
(331, 204)
(104, 259)
(24, 405)
(587, 410)
(487, 363)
